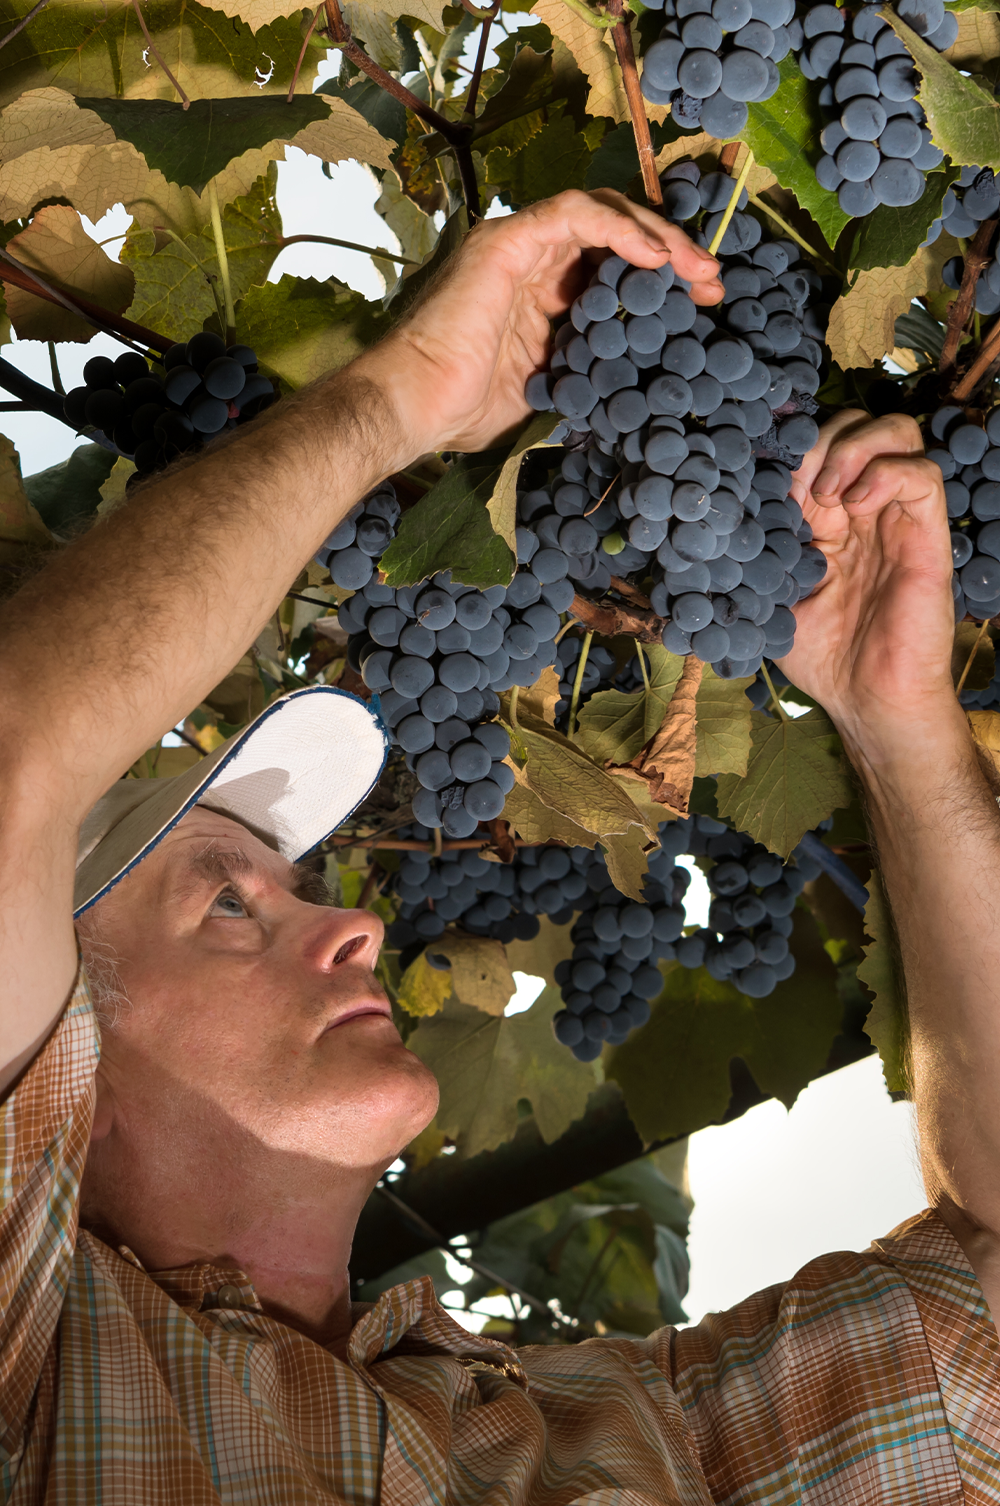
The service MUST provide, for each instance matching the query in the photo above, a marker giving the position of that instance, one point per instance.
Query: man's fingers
(851, 452)
(815, 459)
(634, 226)
(914, 481)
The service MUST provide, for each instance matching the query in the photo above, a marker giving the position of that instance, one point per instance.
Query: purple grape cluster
(687, 425)
(153, 414)
(876, 143)
(967, 203)
(968, 453)
(713, 56)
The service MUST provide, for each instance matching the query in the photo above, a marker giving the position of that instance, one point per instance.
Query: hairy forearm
(131, 626)
(937, 830)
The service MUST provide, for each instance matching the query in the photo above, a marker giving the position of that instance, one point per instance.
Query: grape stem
(621, 35)
(330, 240)
(223, 255)
(298, 65)
(775, 698)
(989, 352)
(730, 208)
(794, 235)
(33, 12)
(512, 707)
(972, 654)
(577, 682)
(151, 45)
(642, 663)
(976, 259)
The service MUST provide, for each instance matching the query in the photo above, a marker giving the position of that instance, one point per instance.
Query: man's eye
(229, 906)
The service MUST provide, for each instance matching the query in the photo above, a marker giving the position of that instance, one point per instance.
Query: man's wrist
(905, 761)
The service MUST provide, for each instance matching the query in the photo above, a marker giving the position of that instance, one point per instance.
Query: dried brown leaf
(667, 764)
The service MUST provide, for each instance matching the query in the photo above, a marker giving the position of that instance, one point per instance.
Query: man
(194, 1342)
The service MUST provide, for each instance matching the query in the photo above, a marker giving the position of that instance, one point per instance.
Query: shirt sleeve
(822, 1390)
(44, 1133)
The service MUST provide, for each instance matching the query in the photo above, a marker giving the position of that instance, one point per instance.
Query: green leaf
(174, 282)
(485, 1064)
(796, 776)
(890, 237)
(189, 146)
(557, 157)
(380, 110)
(502, 506)
(886, 1026)
(674, 1071)
(614, 725)
(959, 5)
(423, 989)
(723, 725)
(98, 50)
(450, 529)
(964, 120)
(301, 328)
(783, 134)
(68, 494)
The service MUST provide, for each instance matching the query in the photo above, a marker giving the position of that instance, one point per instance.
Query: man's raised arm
(129, 628)
(874, 647)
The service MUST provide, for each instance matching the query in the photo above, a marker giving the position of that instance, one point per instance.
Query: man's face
(257, 1033)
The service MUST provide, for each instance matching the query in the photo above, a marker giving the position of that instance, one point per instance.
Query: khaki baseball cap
(291, 777)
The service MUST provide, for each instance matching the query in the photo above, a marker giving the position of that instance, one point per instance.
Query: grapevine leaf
(100, 51)
(56, 245)
(594, 53)
(69, 493)
(301, 328)
(891, 237)
(174, 277)
(863, 319)
(556, 158)
(783, 134)
(959, 7)
(614, 725)
(21, 527)
(415, 230)
(723, 726)
(190, 146)
(502, 506)
(378, 108)
(513, 114)
(964, 119)
(674, 1071)
(886, 1025)
(566, 780)
(423, 989)
(535, 822)
(450, 529)
(626, 859)
(795, 778)
(539, 700)
(539, 958)
(480, 972)
(485, 1064)
(259, 12)
(977, 46)
(683, 145)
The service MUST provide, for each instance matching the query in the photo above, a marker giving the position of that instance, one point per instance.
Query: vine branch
(616, 619)
(185, 102)
(21, 276)
(621, 35)
(976, 258)
(341, 37)
(988, 353)
(302, 54)
(33, 12)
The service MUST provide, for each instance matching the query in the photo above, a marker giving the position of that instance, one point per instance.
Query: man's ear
(104, 1111)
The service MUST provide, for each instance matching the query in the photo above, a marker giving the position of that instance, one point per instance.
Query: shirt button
(230, 1296)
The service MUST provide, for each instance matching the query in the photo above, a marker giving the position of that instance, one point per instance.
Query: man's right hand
(456, 369)
(873, 643)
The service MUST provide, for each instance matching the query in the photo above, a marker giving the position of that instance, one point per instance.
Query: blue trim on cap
(237, 748)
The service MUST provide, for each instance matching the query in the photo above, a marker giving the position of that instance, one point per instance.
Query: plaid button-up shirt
(868, 1378)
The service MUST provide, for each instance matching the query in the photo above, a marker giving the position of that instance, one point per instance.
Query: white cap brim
(291, 777)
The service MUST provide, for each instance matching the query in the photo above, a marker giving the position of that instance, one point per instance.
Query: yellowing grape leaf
(423, 989)
(626, 859)
(595, 56)
(863, 319)
(796, 777)
(502, 506)
(260, 12)
(569, 782)
(963, 117)
(533, 821)
(723, 726)
(480, 972)
(539, 957)
(886, 1026)
(56, 246)
(485, 1064)
(666, 764)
